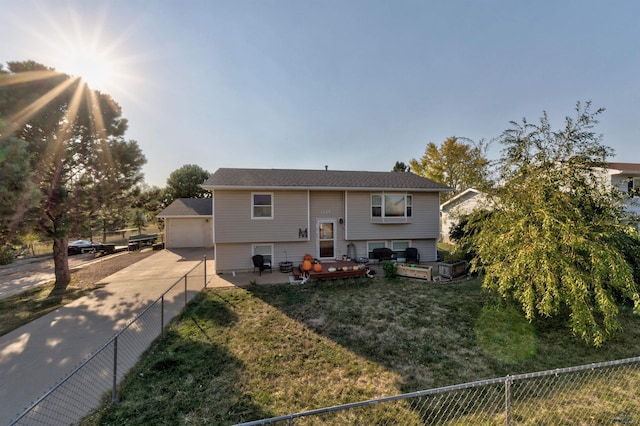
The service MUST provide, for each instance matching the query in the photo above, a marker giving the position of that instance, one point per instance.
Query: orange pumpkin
(306, 265)
(307, 257)
(317, 267)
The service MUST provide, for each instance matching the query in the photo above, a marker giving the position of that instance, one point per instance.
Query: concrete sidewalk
(36, 356)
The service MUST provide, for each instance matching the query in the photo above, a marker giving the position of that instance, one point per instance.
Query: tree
(78, 157)
(185, 182)
(150, 201)
(558, 238)
(15, 190)
(456, 164)
(400, 167)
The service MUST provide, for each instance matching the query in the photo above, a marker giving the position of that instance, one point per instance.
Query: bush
(7, 255)
(389, 269)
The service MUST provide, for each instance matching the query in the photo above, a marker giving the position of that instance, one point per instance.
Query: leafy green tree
(79, 159)
(456, 164)
(185, 182)
(150, 201)
(15, 190)
(558, 237)
(400, 167)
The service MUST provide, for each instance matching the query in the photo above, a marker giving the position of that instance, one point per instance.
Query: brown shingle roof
(227, 178)
(635, 167)
(188, 207)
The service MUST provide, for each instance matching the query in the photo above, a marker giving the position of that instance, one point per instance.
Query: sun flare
(91, 65)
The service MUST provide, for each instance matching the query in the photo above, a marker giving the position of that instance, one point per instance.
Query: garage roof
(188, 207)
(227, 178)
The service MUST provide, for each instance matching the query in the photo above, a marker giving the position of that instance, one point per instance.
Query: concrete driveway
(36, 356)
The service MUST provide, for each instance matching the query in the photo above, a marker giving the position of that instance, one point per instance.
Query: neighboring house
(284, 214)
(187, 223)
(626, 177)
(462, 204)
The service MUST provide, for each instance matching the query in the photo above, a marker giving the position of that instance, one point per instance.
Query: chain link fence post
(507, 399)
(114, 387)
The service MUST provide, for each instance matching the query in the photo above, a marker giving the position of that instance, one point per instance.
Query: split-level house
(285, 214)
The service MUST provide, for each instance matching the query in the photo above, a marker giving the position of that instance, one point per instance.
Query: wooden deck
(337, 274)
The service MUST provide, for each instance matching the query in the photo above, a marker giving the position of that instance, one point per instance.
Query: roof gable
(188, 207)
(461, 197)
(229, 178)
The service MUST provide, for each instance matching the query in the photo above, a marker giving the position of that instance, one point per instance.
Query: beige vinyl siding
(328, 205)
(233, 222)
(237, 256)
(424, 223)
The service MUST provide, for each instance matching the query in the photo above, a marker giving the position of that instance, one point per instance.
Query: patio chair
(411, 255)
(260, 263)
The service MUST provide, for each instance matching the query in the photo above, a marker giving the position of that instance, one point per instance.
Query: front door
(326, 239)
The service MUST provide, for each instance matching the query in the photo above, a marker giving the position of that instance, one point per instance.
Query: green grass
(242, 355)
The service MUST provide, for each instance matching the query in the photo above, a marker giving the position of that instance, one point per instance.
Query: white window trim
(400, 241)
(270, 245)
(253, 206)
(369, 249)
(383, 216)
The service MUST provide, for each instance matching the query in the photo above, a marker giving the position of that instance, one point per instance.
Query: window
(261, 205)
(391, 205)
(399, 248)
(266, 250)
(374, 245)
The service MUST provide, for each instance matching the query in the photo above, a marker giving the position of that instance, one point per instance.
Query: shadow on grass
(189, 377)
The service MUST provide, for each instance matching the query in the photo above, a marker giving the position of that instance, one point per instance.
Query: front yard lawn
(270, 350)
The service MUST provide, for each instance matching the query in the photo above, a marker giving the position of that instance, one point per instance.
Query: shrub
(389, 269)
(7, 255)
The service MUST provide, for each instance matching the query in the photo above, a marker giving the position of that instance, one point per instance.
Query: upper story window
(391, 205)
(261, 205)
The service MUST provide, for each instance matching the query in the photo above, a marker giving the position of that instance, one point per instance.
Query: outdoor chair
(411, 255)
(260, 263)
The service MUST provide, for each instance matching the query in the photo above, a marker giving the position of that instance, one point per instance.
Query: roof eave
(320, 188)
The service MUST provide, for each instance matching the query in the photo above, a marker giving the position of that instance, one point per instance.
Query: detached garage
(188, 223)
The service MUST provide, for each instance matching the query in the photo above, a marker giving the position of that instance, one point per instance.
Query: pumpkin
(317, 267)
(307, 257)
(345, 268)
(355, 268)
(306, 265)
(331, 269)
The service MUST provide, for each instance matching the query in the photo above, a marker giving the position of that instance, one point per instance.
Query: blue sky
(355, 85)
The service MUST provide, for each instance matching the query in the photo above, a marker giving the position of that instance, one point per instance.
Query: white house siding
(621, 182)
(188, 232)
(327, 205)
(422, 229)
(234, 241)
(424, 223)
(237, 256)
(452, 212)
(233, 223)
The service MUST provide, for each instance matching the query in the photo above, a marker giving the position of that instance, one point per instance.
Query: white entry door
(326, 239)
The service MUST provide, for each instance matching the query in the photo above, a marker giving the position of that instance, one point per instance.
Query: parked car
(79, 247)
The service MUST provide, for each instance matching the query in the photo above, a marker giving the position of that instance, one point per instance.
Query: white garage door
(186, 233)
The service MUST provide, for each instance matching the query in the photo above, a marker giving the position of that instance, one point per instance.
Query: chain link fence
(84, 388)
(595, 394)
